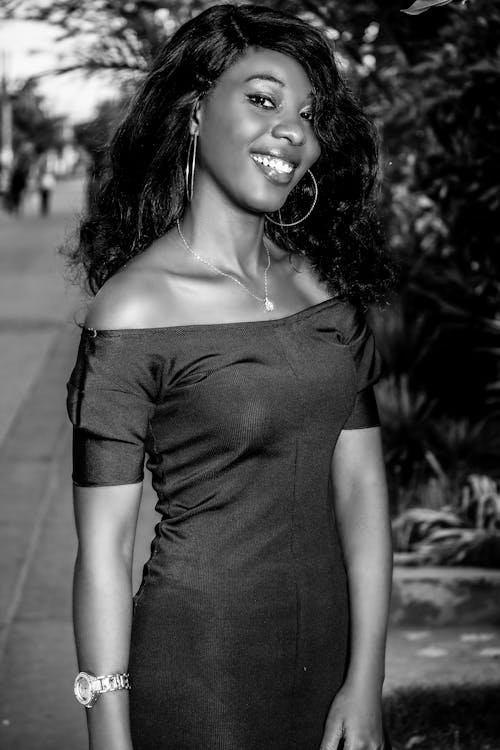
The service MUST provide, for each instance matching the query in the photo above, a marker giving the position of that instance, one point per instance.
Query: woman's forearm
(361, 509)
(102, 615)
(369, 568)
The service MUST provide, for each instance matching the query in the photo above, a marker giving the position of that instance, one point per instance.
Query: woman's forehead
(278, 69)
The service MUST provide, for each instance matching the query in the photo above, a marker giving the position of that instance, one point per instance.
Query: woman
(232, 246)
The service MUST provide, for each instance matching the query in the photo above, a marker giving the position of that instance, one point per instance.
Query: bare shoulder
(124, 301)
(146, 293)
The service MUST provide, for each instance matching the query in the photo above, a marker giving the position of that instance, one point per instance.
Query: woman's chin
(264, 206)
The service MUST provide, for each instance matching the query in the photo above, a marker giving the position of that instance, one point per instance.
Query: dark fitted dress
(240, 627)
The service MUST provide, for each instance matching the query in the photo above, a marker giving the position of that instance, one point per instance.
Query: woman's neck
(231, 238)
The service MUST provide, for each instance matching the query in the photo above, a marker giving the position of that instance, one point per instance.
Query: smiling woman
(226, 249)
(146, 191)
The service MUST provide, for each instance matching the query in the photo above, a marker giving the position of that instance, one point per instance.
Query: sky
(28, 48)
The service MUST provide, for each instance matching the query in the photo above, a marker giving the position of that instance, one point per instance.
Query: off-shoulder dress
(240, 627)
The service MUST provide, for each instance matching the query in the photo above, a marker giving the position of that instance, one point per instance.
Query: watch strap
(107, 683)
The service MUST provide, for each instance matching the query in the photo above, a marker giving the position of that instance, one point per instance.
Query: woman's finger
(332, 737)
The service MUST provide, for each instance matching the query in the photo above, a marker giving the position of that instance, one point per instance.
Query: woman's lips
(276, 170)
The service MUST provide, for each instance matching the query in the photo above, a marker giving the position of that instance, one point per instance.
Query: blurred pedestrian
(19, 178)
(45, 182)
(233, 247)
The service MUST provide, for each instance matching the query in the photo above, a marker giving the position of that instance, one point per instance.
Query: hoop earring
(299, 221)
(190, 165)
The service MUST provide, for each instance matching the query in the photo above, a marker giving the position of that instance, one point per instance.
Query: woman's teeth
(284, 167)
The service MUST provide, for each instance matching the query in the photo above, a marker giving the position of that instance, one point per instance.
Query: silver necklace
(268, 304)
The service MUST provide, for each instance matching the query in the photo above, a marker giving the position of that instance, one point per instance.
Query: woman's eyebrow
(265, 77)
(273, 78)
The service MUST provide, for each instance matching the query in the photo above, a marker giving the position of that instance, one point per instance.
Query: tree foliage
(31, 123)
(110, 34)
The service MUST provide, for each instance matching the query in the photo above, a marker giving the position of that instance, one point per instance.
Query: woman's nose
(291, 129)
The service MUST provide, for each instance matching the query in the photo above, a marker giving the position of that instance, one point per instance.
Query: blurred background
(430, 79)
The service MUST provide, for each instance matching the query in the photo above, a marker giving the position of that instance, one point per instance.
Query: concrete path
(37, 340)
(37, 543)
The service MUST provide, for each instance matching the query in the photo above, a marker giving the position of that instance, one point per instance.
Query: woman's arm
(362, 515)
(106, 519)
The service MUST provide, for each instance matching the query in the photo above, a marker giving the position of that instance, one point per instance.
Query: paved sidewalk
(37, 540)
(38, 339)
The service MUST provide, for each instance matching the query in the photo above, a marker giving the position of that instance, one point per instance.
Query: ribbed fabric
(240, 626)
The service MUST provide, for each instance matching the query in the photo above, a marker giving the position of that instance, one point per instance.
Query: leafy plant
(468, 534)
(447, 716)
(469, 547)
(480, 502)
(439, 402)
(416, 525)
(420, 6)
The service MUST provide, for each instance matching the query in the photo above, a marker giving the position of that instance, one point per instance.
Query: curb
(445, 596)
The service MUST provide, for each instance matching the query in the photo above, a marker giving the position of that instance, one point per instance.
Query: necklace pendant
(268, 305)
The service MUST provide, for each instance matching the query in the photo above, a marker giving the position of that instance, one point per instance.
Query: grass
(448, 718)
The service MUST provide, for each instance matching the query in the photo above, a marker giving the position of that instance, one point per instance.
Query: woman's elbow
(100, 562)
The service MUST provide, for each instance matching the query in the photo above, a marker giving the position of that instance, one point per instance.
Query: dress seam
(293, 730)
(284, 353)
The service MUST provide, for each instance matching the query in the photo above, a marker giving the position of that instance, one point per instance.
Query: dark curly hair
(143, 192)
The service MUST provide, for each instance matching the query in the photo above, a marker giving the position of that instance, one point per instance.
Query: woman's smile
(274, 168)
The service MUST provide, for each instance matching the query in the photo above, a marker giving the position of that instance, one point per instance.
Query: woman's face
(256, 137)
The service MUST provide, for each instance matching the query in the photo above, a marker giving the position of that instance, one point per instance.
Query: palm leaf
(420, 6)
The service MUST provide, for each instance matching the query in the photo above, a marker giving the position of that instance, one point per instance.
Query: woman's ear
(196, 117)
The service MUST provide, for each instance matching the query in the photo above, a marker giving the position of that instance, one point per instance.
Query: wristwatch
(88, 687)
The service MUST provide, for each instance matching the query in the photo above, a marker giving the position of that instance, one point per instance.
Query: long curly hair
(143, 190)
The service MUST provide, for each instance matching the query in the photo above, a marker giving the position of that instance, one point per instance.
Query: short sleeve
(110, 401)
(368, 368)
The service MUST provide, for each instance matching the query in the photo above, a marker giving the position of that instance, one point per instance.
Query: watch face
(82, 688)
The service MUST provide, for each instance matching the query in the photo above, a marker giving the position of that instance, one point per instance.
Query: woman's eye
(261, 101)
(309, 116)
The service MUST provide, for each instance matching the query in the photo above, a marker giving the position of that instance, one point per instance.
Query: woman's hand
(354, 721)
